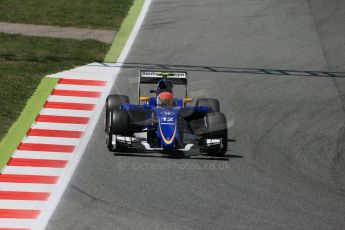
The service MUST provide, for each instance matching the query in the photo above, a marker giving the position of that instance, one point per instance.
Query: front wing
(139, 143)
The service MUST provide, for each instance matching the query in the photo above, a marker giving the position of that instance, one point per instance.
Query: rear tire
(211, 103)
(216, 128)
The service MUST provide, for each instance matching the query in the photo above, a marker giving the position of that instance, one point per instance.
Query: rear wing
(153, 77)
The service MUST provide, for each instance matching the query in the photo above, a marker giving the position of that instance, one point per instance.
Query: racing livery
(163, 122)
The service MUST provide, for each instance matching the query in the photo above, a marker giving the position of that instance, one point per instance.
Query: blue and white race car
(163, 122)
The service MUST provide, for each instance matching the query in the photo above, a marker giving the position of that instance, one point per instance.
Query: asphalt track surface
(286, 165)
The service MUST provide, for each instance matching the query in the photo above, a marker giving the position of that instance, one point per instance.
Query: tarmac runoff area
(57, 32)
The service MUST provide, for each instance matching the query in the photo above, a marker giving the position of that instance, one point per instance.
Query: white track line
(105, 75)
(51, 140)
(60, 126)
(88, 100)
(17, 223)
(90, 73)
(93, 68)
(26, 187)
(80, 88)
(22, 204)
(66, 112)
(77, 75)
(42, 171)
(42, 155)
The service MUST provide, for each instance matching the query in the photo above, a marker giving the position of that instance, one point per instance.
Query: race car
(163, 122)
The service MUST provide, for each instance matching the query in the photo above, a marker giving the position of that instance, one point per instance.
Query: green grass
(102, 14)
(126, 28)
(15, 134)
(24, 61)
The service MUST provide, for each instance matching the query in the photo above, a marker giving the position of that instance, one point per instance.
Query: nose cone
(167, 130)
(168, 134)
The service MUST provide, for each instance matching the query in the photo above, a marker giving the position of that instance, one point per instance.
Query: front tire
(113, 102)
(118, 124)
(216, 128)
(109, 142)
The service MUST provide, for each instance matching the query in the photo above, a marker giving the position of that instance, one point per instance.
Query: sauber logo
(167, 113)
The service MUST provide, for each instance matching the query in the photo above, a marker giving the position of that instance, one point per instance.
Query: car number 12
(168, 119)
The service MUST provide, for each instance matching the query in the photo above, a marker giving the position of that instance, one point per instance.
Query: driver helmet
(165, 99)
(165, 85)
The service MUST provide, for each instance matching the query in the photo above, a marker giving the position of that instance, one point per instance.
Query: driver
(165, 99)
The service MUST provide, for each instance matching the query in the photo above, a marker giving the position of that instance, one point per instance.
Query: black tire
(216, 128)
(113, 102)
(108, 141)
(120, 123)
(109, 135)
(212, 103)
